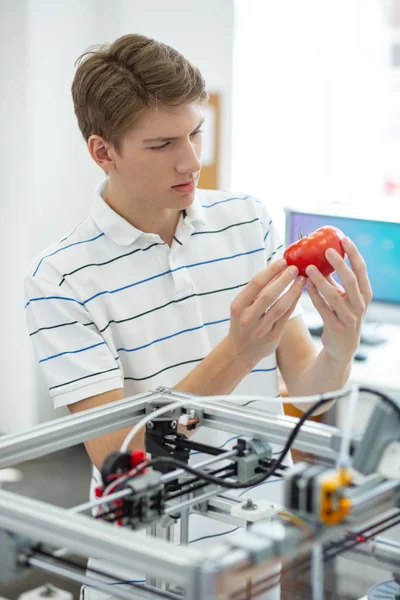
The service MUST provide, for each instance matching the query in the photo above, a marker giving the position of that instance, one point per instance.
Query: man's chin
(184, 200)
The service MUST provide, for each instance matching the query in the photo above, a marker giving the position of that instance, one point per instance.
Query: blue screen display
(377, 241)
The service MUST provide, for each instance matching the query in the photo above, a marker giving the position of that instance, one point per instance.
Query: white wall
(17, 372)
(310, 100)
(46, 175)
(201, 29)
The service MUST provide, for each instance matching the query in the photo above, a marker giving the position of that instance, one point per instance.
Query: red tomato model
(310, 250)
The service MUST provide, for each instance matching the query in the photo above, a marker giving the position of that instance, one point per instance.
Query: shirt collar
(195, 212)
(111, 223)
(119, 230)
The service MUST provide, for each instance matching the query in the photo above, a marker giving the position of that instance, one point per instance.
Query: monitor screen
(377, 241)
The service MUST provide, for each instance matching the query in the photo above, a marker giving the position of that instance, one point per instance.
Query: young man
(165, 284)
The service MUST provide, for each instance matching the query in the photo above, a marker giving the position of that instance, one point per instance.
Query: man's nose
(189, 161)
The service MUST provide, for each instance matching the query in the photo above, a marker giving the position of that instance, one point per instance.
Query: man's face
(161, 153)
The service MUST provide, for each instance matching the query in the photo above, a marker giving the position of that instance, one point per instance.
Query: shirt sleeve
(274, 246)
(76, 360)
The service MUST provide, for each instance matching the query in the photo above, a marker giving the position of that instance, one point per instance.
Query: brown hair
(115, 83)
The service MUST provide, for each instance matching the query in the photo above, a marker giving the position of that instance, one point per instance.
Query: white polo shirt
(110, 306)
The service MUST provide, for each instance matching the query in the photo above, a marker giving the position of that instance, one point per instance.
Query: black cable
(198, 447)
(113, 514)
(343, 545)
(352, 535)
(310, 411)
(275, 463)
(357, 542)
(383, 397)
(193, 480)
(194, 486)
(213, 535)
(255, 480)
(205, 476)
(301, 564)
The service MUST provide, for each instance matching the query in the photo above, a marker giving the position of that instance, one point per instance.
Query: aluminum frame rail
(48, 524)
(67, 431)
(202, 574)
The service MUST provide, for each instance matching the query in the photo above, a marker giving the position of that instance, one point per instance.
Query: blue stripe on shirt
(167, 337)
(269, 228)
(64, 248)
(206, 262)
(228, 200)
(52, 298)
(72, 352)
(145, 280)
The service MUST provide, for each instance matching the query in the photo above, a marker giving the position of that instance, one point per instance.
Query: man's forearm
(322, 374)
(219, 373)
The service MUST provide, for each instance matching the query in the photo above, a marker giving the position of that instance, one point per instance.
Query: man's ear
(102, 152)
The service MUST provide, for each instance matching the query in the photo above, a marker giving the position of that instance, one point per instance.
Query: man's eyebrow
(170, 139)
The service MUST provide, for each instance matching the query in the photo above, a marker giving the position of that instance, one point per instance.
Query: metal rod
(87, 537)
(317, 572)
(210, 461)
(184, 533)
(164, 530)
(376, 550)
(196, 500)
(99, 501)
(220, 509)
(72, 575)
(165, 479)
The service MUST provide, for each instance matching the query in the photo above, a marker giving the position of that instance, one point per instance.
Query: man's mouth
(186, 187)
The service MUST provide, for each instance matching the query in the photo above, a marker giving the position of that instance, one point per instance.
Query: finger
(271, 293)
(328, 316)
(331, 295)
(360, 269)
(280, 323)
(254, 287)
(348, 278)
(337, 285)
(282, 305)
(275, 326)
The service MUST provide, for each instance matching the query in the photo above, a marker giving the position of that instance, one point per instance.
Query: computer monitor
(378, 240)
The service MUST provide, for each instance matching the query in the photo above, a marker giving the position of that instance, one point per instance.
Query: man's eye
(160, 147)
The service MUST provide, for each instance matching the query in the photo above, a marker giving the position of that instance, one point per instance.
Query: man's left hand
(342, 309)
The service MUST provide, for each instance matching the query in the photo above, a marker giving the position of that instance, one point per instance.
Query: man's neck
(145, 217)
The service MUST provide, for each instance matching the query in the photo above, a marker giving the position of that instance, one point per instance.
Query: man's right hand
(258, 314)
(254, 333)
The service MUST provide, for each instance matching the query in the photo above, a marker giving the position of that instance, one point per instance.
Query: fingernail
(311, 269)
(346, 241)
(293, 270)
(301, 280)
(281, 262)
(330, 253)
